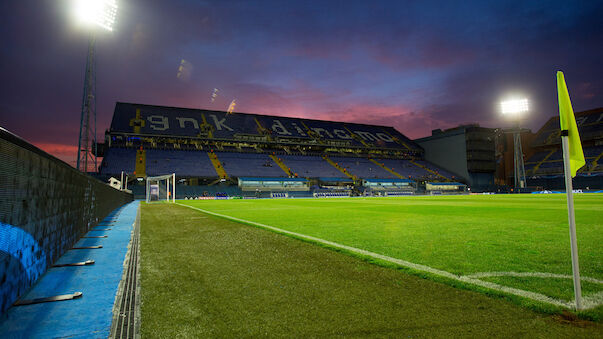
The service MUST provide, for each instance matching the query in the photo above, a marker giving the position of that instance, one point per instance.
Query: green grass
(458, 234)
(203, 276)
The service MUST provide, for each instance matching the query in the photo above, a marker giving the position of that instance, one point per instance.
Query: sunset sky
(414, 65)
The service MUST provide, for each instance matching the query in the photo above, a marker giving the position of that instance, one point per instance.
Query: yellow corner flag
(568, 123)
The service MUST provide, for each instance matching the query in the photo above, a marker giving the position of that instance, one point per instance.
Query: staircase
(205, 128)
(262, 130)
(429, 170)
(357, 138)
(141, 163)
(398, 141)
(137, 122)
(595, 162)
(217, 165)
(341, 169)
(311, 133)
(542, 161)
(282, 165)
(387, 168)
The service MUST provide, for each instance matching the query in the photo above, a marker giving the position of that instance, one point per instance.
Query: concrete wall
(46, 206)
(448, 152)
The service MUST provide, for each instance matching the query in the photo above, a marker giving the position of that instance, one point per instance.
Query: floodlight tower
(514, 109)
(99, 13)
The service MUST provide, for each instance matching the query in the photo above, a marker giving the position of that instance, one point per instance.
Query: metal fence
(46, 206)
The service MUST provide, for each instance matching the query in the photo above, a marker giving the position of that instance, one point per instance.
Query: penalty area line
(418, 267)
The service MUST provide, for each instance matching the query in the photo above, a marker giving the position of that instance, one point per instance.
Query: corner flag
(568, 123)
(573, 159)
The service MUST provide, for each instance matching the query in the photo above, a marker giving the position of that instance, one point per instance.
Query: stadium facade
(467, 150)
(252, 154)
(242, 154)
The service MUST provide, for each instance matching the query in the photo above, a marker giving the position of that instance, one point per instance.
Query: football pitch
(491, 265)
(513, 245)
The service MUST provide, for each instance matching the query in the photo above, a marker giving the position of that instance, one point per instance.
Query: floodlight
(98, 12)
(514, 107)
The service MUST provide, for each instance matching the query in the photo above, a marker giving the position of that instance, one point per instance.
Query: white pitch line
(422, 268)
(592, 301)
(532, 274)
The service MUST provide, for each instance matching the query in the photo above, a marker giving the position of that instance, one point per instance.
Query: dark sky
(414, 65)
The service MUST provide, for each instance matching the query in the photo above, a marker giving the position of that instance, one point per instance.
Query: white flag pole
(572, 219)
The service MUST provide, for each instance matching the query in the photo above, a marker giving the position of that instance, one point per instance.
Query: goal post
(161, 188)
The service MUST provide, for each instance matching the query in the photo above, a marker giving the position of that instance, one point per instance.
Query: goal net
(161, 188)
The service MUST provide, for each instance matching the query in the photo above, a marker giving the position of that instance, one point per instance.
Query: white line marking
(532, 274)
(592, 301)
(422, 268)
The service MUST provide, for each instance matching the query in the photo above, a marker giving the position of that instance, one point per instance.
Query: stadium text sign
(187, 122)
(163, 123)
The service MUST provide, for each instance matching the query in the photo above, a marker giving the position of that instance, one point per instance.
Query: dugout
(437, 188)
(389, 187)
(335, 182)
(266, 186)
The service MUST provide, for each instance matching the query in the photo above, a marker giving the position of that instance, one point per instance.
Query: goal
(161, 188)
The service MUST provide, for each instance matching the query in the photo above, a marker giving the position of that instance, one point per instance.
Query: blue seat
(249, 165)
(117, 160)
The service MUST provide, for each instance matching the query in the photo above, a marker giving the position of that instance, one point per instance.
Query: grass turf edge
(541, 307)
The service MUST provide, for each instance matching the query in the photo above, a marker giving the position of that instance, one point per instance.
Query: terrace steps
(387, 168)
(543, 160)
(356, 137)
(137, 122)
(263, 130)
(428, 170)
(398, 141)
(141, 163)
(341, 169)
(282, 165)
(595, 162)
(213, 157)
(312, 134)
(205, 128)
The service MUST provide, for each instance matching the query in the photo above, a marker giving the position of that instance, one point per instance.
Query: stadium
(361, 189)
(191, 164)
(249, 155)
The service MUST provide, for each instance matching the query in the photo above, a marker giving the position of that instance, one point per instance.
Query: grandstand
(213, 151)
(544, 168)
